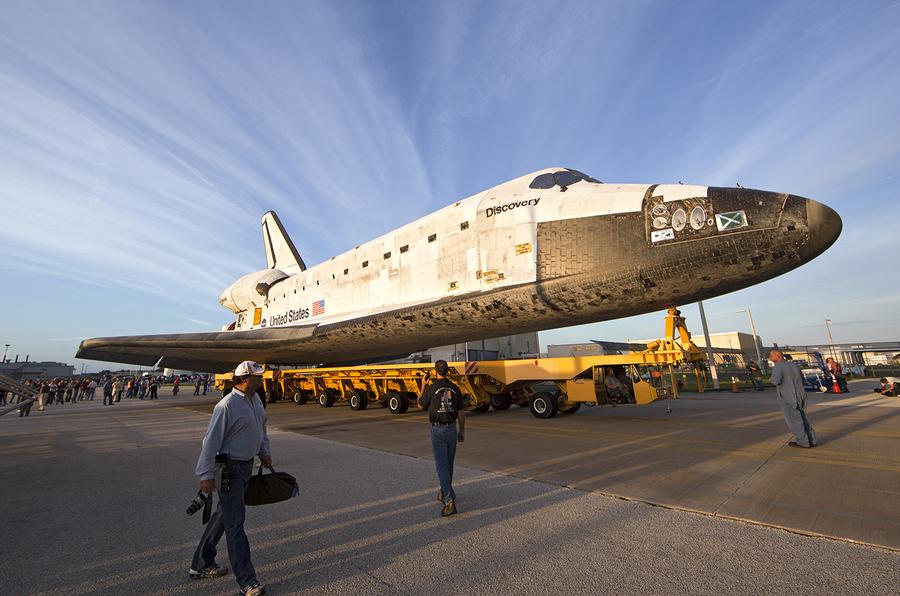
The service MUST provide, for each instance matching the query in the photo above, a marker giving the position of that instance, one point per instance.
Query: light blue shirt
(238, 428)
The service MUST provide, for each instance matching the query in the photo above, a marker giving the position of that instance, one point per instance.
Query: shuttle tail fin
(280, 251)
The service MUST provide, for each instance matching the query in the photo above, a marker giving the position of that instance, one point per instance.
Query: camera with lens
(198, 503)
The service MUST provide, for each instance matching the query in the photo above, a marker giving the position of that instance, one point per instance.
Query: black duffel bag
(264, 489)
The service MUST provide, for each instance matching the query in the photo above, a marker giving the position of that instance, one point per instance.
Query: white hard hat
(248, 367)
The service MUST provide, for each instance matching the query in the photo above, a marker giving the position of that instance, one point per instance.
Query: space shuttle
(550, 249)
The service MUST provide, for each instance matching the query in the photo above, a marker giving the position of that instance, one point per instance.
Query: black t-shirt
(443, 400)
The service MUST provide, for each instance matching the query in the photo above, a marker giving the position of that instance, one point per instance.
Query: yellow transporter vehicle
(546, 385)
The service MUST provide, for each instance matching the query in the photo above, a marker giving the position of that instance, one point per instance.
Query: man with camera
(443, 400)
(236, 434)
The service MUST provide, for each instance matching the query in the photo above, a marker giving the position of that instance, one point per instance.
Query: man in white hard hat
(237, 430)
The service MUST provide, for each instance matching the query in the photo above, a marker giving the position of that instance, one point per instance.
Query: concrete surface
(94, 496)
(720, 453)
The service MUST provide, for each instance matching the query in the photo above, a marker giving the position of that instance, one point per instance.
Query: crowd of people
(60, 391)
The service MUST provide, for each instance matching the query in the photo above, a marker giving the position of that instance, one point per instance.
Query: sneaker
(796, 444)
(255, 589)
(208, 572)
(449, 509)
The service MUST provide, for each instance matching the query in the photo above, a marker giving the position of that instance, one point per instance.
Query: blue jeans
(229, 518)
(443, 444)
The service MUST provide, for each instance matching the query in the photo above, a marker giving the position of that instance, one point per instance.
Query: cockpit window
(562, 178)
(567, 178)
(585, 177)
(543, 181)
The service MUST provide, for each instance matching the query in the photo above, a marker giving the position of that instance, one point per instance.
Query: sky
(140, 142)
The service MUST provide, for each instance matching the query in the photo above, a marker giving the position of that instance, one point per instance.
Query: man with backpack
(443, 400)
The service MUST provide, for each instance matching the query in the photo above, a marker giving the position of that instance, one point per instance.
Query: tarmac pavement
(94, 497)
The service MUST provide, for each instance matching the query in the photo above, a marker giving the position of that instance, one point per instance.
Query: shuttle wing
(217, 351)
(280, 251)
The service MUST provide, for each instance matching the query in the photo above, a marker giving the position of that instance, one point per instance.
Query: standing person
(237, 428)
(175, 383)
(197, 385)
(205, 384)
(117, 389)
(51, 391)
(443, 400)
(154, 388)
(43, 392)
(141, 388)
(25, 409)
(92, 389)
(108, 391)
(837, 373)
(755, 375)
(788, 380)
(3, 396)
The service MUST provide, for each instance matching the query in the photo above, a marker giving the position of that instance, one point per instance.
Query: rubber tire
(300, 397)
(397, 402)
(570, 409)
(543, 405)
(359, 400)
(501, 402)
(326, 399)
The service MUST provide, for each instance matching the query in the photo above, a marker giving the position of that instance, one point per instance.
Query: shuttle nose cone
(824, 227)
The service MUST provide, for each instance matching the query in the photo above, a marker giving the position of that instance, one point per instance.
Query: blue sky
(141, 142)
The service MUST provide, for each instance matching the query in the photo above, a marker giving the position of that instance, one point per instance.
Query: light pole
(709, 354)
(830, 340)
(5, 352)
(759, 360)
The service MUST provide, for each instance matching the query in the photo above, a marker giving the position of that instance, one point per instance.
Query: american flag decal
(318, 308)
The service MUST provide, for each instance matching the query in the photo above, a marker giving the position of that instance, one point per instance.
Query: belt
(442, 423)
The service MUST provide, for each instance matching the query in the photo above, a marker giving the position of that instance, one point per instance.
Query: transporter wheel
(482, 408)
(501, 401)
(359, 400)
(543, 405)
(571, 409)
(301, 397)
(326, 399)
(397, 402)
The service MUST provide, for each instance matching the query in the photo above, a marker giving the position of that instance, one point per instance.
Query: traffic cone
(836, 387)
(735, 388)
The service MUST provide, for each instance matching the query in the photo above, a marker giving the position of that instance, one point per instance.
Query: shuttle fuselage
(550, 249)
